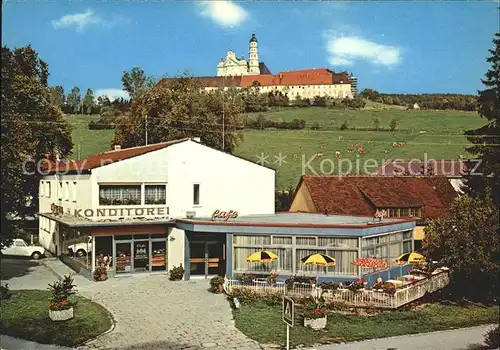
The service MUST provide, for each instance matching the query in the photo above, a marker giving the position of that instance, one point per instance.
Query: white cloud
(345, 50)
(112, 93)
(225, 13)
(84, 19)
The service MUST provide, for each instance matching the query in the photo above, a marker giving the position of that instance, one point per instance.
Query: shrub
(329, 285)
(376, 123)
(245, 278)
(247, 295)
(216, 284)
(5, 292)
(344, 125)
(393, 124)
(98, 272)
(314, 310)
(176, 273)
(60, 291)
(315, 126)
(492, 338)
(298, 279)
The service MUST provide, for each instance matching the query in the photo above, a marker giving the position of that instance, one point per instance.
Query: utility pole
(146, 124)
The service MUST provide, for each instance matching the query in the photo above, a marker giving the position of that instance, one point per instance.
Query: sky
(391, 46)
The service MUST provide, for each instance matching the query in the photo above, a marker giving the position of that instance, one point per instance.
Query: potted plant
(177, 273)
(100, 274)
(217, 284)
(60, 307)
(314, 314)
(272, 278)
(357, 285)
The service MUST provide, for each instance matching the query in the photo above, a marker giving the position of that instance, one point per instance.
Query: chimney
(118, 147)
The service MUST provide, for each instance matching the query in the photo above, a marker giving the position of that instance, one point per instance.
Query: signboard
(224, 215)
(288, 311)
(113, 212)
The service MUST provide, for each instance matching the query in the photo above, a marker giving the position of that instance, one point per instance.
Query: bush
(176, 273)
(329, 285)
(344, 125)
(216, 284)
(298, 279)
(376, 123)
(492, 338)
(61, 290)
(393, 124)
(100, 125)
(315, 126)
(245, 278)
(98, 272)
(5, 292)
(247, 295)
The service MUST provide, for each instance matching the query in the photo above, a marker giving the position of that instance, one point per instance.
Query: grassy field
(264, 323)
(25, 315)
(443, 139)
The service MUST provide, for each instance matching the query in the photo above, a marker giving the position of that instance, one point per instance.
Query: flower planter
(315, 323)
(61, 315)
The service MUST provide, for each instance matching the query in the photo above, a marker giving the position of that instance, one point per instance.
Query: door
(123, 257)
(197, 259)
(216, 258)
(141, 256)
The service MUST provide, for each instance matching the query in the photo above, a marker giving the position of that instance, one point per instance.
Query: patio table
(396, 282)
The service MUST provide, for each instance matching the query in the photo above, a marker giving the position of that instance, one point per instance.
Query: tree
(57, 96)
(88, 101)
(136, 82)
(33, 128)
(467, 242)
(74, 100)
(376, 123)
(178, 108)
(486, 139)
(393, 124)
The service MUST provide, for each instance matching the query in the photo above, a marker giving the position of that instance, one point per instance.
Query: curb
(113, 325)
(50, 268)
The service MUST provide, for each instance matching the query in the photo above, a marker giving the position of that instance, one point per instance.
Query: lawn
(25, 315)
(443, 139)
(264, 323)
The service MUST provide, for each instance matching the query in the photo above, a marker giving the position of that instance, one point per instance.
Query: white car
(81, 249)
(20, 248)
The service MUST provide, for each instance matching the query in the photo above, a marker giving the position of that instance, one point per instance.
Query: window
(337, 242)
(155, 194)
(407, 247)
(407, 235)
(287, 240)
(48, 192)
(306, 241)
(119, 194)
(251, 240)
(196, 194)
(19, 243)
(67, 191)
(42, 187)
(74, 191)
(60, 192)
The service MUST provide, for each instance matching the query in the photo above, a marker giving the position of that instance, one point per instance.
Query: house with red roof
(422, 198)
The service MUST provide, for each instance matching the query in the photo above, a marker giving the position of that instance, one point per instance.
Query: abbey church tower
(253, 62)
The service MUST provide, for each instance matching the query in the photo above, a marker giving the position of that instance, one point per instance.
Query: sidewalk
(59, 269)
(11, 343)
(455, 339)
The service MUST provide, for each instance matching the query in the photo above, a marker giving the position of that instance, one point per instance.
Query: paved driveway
(22, 273)
(152, 312)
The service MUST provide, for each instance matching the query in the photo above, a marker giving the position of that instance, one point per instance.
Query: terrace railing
(361, 298)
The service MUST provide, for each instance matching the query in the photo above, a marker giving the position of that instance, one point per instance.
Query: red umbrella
(370, 262)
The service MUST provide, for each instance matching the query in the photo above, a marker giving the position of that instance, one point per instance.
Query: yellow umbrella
(318, 260)
(262, 256)
(410, 258)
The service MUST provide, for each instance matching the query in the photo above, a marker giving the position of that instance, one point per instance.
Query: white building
(151, 208)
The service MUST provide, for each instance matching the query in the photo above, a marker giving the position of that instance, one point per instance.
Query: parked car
(81, 249)
(20, 248)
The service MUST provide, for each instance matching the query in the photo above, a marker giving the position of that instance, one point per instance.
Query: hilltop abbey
(307, 83)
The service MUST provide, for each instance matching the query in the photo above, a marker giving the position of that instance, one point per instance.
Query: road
(22, 273)
(456, 339)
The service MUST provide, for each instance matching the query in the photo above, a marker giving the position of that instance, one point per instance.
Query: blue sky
(392, 46)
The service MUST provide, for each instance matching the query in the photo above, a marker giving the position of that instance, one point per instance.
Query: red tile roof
(321, 76)
(109, 157)
(449, 168)
(362, 195)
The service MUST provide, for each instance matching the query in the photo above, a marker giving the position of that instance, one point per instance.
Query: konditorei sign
(224, 215)
(112, 212)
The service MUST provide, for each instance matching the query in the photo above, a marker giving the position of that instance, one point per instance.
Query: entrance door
(141, 256)
(207, 258)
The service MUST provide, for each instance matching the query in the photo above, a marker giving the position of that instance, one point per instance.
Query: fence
(362, 298)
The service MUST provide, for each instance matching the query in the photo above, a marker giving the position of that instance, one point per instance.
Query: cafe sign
(111, 212)
(224, 215)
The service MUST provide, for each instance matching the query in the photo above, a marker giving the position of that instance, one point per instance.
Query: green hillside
(431, 134)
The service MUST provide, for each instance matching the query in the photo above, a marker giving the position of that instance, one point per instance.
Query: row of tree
(424, 101)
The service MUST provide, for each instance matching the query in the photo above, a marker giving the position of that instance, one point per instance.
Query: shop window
(123, 238)
(407, 247)
(158, 255)
(48, 192)
(104, 251)
(287, 240)
(155, 194)
(119, 194)
(141, 236)
(407, 235)
(196, 194)
(310, 241)
(337, 242)
(251, 240)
